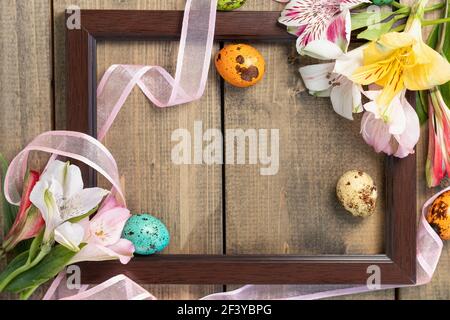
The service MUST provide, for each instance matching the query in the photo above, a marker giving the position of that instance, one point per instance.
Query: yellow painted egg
(240, 65)
(439, 215)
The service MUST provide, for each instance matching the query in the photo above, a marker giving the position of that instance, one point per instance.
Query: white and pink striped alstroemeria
(313, 20)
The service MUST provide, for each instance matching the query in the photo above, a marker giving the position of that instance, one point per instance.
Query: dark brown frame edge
(398, 265)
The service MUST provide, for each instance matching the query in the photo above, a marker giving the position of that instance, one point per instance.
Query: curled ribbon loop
(194, 59)
(73, 145)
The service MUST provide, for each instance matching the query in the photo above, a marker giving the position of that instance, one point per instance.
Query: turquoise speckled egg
(229, 5)
(148, 234)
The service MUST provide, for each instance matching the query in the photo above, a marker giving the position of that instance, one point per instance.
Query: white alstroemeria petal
(347, 63)
(317, 76)
(70, 235)
(357, 99)
(342, 99)
(372, 94)
(55, 170)
(396, 117)
(82, 202)
(73, 181)
(323, 50)
(43, 198)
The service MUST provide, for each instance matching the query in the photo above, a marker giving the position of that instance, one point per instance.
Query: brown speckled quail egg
(357, 192)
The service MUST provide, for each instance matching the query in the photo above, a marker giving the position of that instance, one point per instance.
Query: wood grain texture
(296, 211)
(186, 198)
(440, 284)
(25, 77)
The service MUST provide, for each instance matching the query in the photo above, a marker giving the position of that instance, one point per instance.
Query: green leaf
(365, 19)
(433, 38)
(15, 264)
(9, 211)
(422, 106)
(47, 269)
(376, 31)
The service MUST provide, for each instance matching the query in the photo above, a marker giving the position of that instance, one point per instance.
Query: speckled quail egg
(148, 234)
(357, 192)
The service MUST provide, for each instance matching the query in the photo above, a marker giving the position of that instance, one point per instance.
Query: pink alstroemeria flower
(29, 220)
(394, 130)
(438, 161)
(313, 20)
(102, 235)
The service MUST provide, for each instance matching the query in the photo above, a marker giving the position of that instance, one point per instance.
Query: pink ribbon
(429, 249)
(194, 59)
(164, 91)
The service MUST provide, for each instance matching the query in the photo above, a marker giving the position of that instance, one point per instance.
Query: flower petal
(122, 250)
(43, 197)
(339, 30)
(68, 176)
(323, 50)
(342, 99)
(82, 203)
(107, 228)
(317, 76)
(357, 98)
(376, 133)
(70, 235)
(347, 63)
(423, 76)
(410, 137)
(73, 181)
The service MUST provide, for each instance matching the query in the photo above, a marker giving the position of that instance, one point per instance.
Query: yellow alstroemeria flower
(402, 60)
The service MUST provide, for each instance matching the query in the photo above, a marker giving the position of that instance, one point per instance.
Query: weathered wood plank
(186, 198)
(25, 75)
(296, 211)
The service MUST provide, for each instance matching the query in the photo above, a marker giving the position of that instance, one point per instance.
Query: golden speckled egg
(357, 192)
(439, 216)
(240, 65)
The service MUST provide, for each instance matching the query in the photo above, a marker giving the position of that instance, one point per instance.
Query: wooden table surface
(259, 211)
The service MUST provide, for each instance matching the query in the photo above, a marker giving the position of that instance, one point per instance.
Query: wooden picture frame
(398, 264)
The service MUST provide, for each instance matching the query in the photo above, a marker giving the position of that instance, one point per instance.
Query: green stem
(27, 266)
(440, 45)
(399, 28)
(434, 22)
(398, 5)
(25, 295)
(435, 7)
(2, 254)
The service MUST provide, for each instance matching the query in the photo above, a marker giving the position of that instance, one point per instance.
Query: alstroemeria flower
(313, 20)
(402, 60)
(394, 130)
(331, 79)
(60, 196)
(438, 160)
(102, 235)
(28, 222)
